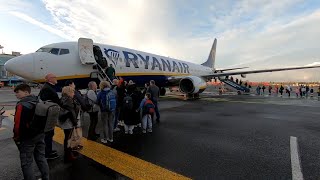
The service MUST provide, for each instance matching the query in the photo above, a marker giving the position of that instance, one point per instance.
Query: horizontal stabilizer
(231, 69)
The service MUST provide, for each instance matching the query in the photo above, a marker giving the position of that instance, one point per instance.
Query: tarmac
(215, 137)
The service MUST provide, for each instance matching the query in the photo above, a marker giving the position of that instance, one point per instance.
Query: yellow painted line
(120, 162)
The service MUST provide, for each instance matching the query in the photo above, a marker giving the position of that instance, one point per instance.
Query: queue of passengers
(119, 103)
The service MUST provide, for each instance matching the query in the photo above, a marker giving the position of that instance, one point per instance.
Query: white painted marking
(295, 159)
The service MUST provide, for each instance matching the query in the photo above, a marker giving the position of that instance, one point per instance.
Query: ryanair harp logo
(113, 55)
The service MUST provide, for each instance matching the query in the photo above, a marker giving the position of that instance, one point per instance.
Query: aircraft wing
(258, 71)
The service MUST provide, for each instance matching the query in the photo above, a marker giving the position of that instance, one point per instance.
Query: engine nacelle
(192, 85)
(243, 75)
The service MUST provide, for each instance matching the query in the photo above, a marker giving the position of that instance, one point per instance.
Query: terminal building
(6, 78)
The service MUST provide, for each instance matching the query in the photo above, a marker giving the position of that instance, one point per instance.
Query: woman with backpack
(147, 108)
(107, 101)
(69, 123)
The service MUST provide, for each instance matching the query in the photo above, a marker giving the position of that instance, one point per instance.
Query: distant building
(6, 76)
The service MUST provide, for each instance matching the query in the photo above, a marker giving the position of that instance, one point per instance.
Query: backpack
(148, 107)
(87, 103)
(111, 102)
(46, 115)
(114, 90)
(127, 102)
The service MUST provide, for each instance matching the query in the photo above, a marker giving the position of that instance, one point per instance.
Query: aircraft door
(86, 51)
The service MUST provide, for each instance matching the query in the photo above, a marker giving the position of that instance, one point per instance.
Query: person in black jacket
(29, 139)
(48, 92)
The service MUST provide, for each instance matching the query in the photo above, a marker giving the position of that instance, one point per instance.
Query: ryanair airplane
(82, 61)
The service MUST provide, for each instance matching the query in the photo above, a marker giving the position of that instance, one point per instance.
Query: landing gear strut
(162, 91)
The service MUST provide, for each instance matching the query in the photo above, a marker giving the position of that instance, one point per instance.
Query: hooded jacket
(23, 117)
(48, 92)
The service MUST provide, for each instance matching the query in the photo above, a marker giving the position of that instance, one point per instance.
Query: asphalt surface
(217, 137)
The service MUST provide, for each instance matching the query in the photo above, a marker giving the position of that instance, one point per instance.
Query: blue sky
(255, 33)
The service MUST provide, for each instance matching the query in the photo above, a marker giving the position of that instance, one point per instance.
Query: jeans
(48, 140)
(146, 120)
(67, 133)
(93, 124)
(116, 118)
(156, 109)
(128, 128)
(33, 148)
(107, 122)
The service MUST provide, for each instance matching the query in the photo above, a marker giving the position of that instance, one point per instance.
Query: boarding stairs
(102, 76)
(235, 85)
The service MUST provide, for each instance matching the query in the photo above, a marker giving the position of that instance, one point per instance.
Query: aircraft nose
(21, 66)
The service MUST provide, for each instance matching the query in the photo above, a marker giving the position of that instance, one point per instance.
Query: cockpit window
(44, 50)
(64, 51)
(54, 51)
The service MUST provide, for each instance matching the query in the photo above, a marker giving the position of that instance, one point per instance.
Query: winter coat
(72, 106)
(48, 92)
(23, 116)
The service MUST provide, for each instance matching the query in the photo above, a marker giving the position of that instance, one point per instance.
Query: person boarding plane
(84, 61)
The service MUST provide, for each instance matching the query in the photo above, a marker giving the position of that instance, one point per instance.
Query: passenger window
(54, 51)
(64, 51)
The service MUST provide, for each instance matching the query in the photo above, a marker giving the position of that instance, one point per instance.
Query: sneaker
(130, 132)
(116, 129)
(110, 140)
(79, 147)
(126, 132)
(150, 130)
(144, 131)
(104, 141)
(52, 157)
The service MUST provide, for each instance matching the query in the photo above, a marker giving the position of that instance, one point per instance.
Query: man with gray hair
(93, 113)
(155, 93)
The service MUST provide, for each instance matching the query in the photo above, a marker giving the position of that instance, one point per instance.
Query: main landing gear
(192, 96)
(162, 91)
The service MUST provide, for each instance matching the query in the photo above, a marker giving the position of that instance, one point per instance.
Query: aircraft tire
(162, 91)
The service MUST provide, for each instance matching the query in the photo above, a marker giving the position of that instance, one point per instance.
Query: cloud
(259, 34)
(40, 24)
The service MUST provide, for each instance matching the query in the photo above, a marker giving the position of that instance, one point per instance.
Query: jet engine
(192, 85)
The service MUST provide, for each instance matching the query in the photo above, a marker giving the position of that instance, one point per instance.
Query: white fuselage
(127, 63)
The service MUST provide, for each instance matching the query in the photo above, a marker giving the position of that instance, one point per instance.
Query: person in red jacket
(29, 140)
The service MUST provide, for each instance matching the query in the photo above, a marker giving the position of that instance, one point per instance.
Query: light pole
(1, 47)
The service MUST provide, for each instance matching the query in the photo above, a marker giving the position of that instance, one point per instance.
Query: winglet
(212, 56)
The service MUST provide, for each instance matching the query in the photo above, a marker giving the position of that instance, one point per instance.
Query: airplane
(83, 61)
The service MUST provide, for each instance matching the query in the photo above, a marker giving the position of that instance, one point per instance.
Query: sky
(255, 33)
